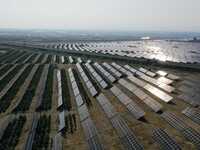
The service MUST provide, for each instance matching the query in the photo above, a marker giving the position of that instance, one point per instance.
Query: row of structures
(153, 88)
(23, 57)
(160, 50)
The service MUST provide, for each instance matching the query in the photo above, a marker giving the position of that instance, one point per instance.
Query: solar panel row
(193, 114)
(155, 91)
(89, 128)
(127, 137)
(98, 78)
(164, 140)
(179, 124)
(57, 142)
(151, 80)
(154, 105)
(60, 100)
(32, 132)
(147, 72)
(88, 83)
(110, 77)
(133, 108)
(113, 70)
(79, 60)
(71, 60)
(126, 72)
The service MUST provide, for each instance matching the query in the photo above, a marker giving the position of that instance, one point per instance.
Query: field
(54, 99)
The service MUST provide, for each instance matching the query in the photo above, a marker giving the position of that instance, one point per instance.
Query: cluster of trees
(57, 59)
(30, 92)
(22, 58)
(41, 139)
(12, 133)
(70, 121)
(32, 58)
(47, 95)
(9, 76)
(65, 91)
(9, 96)
(13, 57)
(5, 68)
(6, 55)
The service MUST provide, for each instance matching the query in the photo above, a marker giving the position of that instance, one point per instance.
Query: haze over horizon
(152, 15)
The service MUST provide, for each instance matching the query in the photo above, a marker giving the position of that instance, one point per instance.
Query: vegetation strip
(5, 101)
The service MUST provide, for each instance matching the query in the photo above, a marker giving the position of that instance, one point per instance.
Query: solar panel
(143, 70)
(137, 81)
(160, 94)
(193, 114)
(123, 130)
(164, 140)
(102, 99)
(173, 77)
(79, 100)
(109, 110)
(57, 142)
(153, 104)
(135, 110)
(94, 143)
(83, 112)
(61, 121)
(178, 123)
(76, 91)
(93, 91)
(162, 73)
(89, 128)
(139, 93)
(164, 80)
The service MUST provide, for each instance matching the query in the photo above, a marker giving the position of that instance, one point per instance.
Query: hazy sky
(174, 15)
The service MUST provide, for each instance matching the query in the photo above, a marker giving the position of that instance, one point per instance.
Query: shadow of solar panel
(83, 112)
(164, 140)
